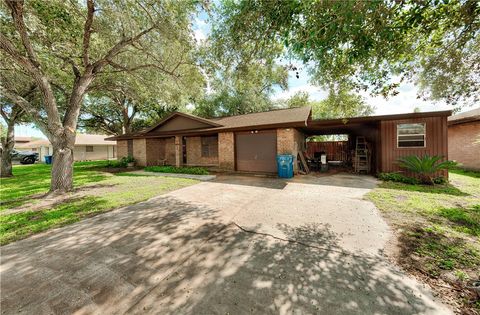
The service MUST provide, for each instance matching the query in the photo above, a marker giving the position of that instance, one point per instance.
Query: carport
(342, 153)
(388, 137)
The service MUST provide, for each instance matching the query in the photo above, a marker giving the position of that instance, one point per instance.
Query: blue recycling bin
(285, 165)
(48, 159)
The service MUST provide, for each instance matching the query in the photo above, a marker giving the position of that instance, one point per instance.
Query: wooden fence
(335, 150)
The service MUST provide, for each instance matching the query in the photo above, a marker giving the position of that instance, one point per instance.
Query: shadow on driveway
(167, 256)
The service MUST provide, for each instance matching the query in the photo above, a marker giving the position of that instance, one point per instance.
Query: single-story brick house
(464, 139)
(250, 142)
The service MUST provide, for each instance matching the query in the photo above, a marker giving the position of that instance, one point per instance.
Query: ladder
(362, 159)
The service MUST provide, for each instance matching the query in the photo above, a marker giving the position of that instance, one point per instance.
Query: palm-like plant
(425, 166)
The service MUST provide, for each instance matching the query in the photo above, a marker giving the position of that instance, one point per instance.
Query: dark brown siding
(180, 123)
(335, 150)
(256, 152)
(436, 141)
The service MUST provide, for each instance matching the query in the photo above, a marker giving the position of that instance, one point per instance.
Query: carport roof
(346, 125)
(299, 117)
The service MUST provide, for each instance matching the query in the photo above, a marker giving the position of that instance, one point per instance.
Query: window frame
(87, 147)
(424, 134)
(204, 144)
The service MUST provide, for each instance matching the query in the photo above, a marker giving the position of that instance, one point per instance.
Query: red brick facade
(464, 144)
(152, 151)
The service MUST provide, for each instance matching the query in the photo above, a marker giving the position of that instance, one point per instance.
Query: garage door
(256, 152)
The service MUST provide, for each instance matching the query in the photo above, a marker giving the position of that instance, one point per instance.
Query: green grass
(29, 180)
(181, 170)
(101, 192)
(439, 226)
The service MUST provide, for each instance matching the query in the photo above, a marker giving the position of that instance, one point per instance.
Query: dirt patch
(459, 294)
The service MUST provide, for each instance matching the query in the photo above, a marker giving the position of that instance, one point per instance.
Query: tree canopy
(65, 47)
(368, 45)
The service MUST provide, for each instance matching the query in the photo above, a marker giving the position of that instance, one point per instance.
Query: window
(89, 148)
(210, 146)
(411, 135)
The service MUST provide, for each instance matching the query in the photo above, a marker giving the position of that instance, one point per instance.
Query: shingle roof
(287, 116)
(81, 139)
(471, 115)
(279, 116)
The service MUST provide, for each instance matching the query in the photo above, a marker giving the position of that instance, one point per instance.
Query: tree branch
(16, 8)
(87, 31)
(117, 48)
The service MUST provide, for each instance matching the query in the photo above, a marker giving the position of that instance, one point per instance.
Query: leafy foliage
(363, 44)
(425, 166)
(397, 177)
(341, 104)
(180, 170)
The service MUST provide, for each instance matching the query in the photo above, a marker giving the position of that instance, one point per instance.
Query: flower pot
(130, 164)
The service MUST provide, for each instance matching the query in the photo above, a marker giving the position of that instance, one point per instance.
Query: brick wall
(122, 149)
(226, 151)
(140, 151)
(170, 151)
(290, 141)
(194, 153)
(155, 151)
(464, 144)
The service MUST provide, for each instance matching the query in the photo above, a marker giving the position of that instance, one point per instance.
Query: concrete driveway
(237, 245)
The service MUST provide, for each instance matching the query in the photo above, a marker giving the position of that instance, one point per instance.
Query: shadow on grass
(466, 220)
(437, 250)
(446, 189)
(20, 225)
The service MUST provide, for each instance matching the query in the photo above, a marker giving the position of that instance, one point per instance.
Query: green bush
(180, 170)
(122, 163)
(425, 166)
(397, 177)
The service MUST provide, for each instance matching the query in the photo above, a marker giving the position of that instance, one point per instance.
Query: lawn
(438, 231)
(96, 191)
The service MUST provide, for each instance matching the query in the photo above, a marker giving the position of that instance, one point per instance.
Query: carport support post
(178, 151)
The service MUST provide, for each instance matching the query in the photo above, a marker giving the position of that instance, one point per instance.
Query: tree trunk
(62, 168)
(7, 146)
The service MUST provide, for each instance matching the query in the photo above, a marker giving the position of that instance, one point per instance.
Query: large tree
(127, 102)
(12, 115)
(244, 89)
(70, 44)
(369, 45)
(338, 104)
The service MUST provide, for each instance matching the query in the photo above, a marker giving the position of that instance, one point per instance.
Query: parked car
(24, 157)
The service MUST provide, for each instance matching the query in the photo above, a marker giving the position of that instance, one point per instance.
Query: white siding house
(87, 148)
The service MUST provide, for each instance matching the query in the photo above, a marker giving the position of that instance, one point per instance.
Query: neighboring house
(87, 147)
(250, 143)
(22, 140)
(464, 139)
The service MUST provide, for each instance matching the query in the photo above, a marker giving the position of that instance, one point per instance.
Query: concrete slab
(233, 245)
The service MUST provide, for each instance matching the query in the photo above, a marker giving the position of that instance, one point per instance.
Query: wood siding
(335, 150)
(436, 141)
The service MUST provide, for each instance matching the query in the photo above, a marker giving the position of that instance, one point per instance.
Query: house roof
(285, 117)
(23, 139)
(81, 139)
(468, 116)
(293, 117)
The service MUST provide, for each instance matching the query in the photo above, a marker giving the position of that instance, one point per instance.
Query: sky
(406, 101)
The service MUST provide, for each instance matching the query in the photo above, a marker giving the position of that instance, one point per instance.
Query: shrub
(121, 163)
(397, 177)
(425, 166)
(179, 170)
